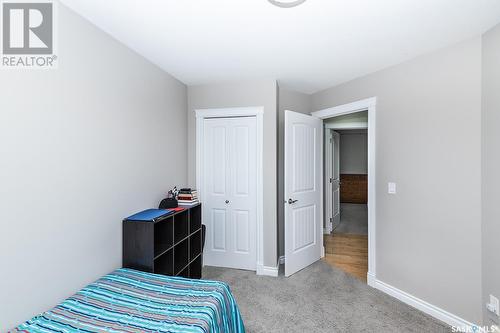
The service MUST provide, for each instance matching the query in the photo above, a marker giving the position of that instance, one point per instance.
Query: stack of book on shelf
(187, 197)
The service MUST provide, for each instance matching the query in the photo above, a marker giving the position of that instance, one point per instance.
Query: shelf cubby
(169, 245)
(181, 256)
(184, 273)
(195, 267)
(164, 264)
(195, 244)
(194, 218)
(181, 226)
(163, 232)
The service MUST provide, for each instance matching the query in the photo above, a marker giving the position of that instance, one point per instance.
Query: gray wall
(244, 94)
(81, 147)
(491, 167)
(354, 152)
(428, 140)
(292, 101)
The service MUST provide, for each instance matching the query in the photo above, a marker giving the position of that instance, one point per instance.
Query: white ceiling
(308, 48)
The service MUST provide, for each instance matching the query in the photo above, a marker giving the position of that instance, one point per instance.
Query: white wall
(354, 152)
(292, 101)
(241, 94)
(491, 167)
(428, 139)
(81, 147)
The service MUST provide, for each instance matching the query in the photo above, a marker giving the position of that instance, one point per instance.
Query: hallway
(353, 219)
(348, 253)
(347, 247)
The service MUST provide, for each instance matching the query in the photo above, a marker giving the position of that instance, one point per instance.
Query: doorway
(357, 118)
(303, 219)
(346, 194)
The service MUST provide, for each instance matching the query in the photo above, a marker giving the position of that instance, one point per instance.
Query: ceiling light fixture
(287, 3)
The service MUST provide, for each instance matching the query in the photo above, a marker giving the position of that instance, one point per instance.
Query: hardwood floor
(348, 253)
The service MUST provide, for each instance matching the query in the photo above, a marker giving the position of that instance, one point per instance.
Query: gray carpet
(319, 299)
(353, 219)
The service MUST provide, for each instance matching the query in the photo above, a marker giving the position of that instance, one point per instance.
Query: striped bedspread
(132, 301)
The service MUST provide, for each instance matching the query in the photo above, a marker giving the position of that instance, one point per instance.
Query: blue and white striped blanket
(132, 301)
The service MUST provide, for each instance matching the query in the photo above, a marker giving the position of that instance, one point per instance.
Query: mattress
(132, 301)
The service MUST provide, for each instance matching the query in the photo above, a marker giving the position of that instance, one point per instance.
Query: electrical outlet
(391, 188)
(494, 305)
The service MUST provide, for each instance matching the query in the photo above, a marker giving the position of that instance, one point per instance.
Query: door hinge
(331, 180)
(331, 219)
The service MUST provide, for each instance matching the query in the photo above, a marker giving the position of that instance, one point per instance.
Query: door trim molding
(327, 181)
(258, 112)
(267, 270)
(370, 105)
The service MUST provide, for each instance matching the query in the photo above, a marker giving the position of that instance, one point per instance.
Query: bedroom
(112, 127)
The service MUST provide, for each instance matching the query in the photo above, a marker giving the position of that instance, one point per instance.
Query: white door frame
(327, 184)
(370, 105)
(257, 112)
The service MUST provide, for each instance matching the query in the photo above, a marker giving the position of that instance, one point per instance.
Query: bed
(133, 301)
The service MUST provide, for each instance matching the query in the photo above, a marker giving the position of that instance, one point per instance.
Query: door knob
(227, 201)
(291, 202)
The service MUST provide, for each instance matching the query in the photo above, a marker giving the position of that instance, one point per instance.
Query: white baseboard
(267, 270)
(417, 303)
(370, 278)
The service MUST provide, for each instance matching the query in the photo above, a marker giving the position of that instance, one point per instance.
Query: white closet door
(230, 192)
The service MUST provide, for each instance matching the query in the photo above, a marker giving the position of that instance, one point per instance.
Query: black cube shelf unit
(171, 245)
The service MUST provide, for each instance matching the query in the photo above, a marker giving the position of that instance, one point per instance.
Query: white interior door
(336, 179)
(303, 191)
(230, 192)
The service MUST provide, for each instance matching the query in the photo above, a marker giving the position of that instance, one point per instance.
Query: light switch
(391, 188)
